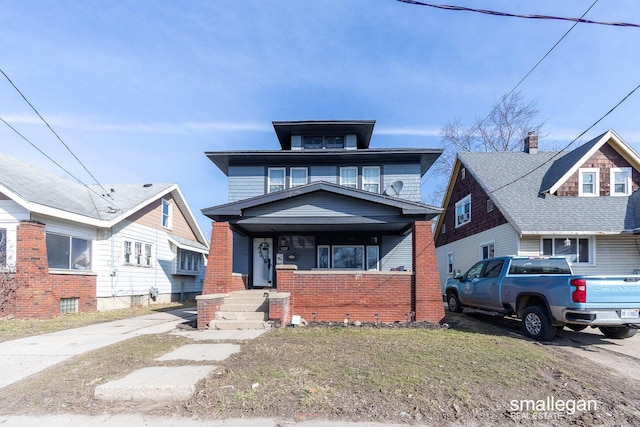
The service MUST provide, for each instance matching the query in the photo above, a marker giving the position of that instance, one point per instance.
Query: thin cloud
(407, 131)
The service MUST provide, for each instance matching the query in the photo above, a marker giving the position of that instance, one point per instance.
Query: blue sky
(139, 90)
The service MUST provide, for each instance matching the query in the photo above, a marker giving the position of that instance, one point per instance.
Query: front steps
(243, 310)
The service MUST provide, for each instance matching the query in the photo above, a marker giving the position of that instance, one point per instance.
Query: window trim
(461, 203)
(167, 218)
(450, 263)
(306, 176)
(70, 260)
(345, 168)
(596, 182)
(487, 244)
(627, 171)
(140, 255)
(284, 179)
(328, 249)
(365, 182)
(369, 250)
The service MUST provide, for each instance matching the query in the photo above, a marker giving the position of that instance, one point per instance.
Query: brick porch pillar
(428, 294)
(218, 277)
(34, 298)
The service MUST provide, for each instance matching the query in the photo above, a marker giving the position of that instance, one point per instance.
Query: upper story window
(68, 253)
(276, 179)
(463, 211)
(371, 178)
(349, 176)
(620, 181)
(167, 213)
(589, 182)
(298, 176)
(322, 142)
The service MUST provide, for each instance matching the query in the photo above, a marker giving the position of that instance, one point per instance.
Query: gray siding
(324, 173)
(396, 251)
(241, 246)
(409, 174)
(246, 182)
(326, 205)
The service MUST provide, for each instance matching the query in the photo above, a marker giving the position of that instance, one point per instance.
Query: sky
(140, 90)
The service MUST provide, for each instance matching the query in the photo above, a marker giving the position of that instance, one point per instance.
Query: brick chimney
(531, 143)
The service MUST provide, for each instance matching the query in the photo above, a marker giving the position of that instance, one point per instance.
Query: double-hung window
(620, 181)
(298, 176)
(138, 253)
(349, 176)
(276, 179)
(463, 211)
(589, 182)
(167, 213)
(371, 178)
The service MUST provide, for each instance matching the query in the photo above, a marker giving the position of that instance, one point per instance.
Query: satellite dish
(393, 189)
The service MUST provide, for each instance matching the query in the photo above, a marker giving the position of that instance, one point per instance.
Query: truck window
(493, 268)
(539, 266)
(475, 271)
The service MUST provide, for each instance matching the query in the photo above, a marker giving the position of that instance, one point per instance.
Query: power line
(518, 15)
(51, 129)
(102, 196)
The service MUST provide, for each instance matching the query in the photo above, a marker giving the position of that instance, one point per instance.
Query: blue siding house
(324, 206)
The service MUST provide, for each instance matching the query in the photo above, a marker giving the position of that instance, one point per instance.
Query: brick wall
(39, 292)
(427, 291)
(207, 306)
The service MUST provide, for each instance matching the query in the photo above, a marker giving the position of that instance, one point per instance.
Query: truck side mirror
(457, 275)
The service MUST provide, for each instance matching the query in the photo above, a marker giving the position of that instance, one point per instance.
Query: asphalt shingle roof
(515, 181)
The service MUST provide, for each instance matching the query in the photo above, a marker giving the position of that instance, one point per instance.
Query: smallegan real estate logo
(549, 408)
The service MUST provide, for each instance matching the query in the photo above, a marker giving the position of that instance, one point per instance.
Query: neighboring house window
(138, 253)
(3, 247)
(189, 262)
(298, 176)
(487, 250)
(373, 258)
(463, 211)
(450, 263)
(348, 257)
(324, 260)
(69, 305)
(167, 211)
(620, 181)
(276, 179)
(589, 182)
(68, 253)
(371, 178)
(576, 250)
(349, 176)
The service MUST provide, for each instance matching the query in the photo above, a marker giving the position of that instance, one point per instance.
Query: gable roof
(45, 193)
(521, 185)
(407, 211)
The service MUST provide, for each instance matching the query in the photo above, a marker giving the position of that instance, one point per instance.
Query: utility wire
(51, 129)
(102, 196)
(569, 144)
(518, 15)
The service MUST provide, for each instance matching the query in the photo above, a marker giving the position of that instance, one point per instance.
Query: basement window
(69, 305)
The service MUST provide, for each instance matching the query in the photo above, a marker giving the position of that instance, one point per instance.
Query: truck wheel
(536, 324)
(454, 303)
(576, 328)
(617, 332)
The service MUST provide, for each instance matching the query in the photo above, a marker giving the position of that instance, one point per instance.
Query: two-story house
(67, 247)
(334, 223)
(582, 204)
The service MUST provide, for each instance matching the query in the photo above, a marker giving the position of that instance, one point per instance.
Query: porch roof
(305, 208)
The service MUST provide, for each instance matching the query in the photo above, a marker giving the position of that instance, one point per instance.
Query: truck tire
(453, 303)
(536, 324)
(617, 332)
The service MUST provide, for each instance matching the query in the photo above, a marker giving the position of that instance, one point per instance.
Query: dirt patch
(470, 373)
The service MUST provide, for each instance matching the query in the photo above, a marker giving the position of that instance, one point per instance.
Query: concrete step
(245, 300)
(238, 324)
(244, 307)
(242, 315)
(251, 293)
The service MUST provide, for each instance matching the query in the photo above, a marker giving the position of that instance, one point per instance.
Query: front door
(262, 262)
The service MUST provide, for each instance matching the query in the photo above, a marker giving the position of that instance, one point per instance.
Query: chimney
(531, 143)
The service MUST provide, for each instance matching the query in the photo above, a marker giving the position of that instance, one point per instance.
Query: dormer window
(620, 181)
(589, 182)
(322, 142)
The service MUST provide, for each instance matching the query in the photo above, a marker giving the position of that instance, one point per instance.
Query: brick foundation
(219, 277)
(207, 306)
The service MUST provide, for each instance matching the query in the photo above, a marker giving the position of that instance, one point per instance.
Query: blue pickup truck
(544, 293)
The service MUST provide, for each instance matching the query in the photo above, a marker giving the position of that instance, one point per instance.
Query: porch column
(218, 277)
(428, 294)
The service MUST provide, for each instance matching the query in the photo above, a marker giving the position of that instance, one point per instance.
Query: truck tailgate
(614, 290)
